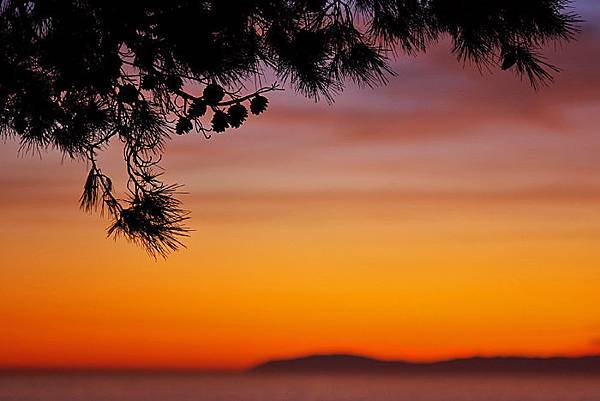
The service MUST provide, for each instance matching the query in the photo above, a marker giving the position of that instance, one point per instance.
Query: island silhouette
(347, 363)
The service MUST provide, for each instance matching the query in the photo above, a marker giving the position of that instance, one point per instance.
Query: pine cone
(220, 121)
(183, 126)
(197, 108)
(237, 115)
(148, 82)
(174, 82)
(258, 104)
(128, 94)
(213, 94)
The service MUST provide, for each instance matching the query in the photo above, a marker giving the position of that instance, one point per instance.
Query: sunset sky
(448, 214)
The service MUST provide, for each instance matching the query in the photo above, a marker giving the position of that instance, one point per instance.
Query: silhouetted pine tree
(75, 74)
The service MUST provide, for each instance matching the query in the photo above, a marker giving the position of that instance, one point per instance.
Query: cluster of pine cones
(232, 117)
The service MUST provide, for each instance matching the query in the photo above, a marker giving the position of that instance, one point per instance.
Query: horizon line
(108, 369)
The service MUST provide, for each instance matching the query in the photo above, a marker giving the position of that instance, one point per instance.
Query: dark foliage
(75, 74)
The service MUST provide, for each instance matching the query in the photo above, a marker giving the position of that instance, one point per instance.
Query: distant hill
(339, 363)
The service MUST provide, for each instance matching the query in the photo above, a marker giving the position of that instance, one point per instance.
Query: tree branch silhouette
(76, 74)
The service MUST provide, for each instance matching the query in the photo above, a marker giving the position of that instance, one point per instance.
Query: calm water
(288, 388)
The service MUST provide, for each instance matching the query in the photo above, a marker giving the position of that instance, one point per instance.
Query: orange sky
(447, 214)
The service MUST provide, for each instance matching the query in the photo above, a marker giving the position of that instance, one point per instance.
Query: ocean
(199, 387)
